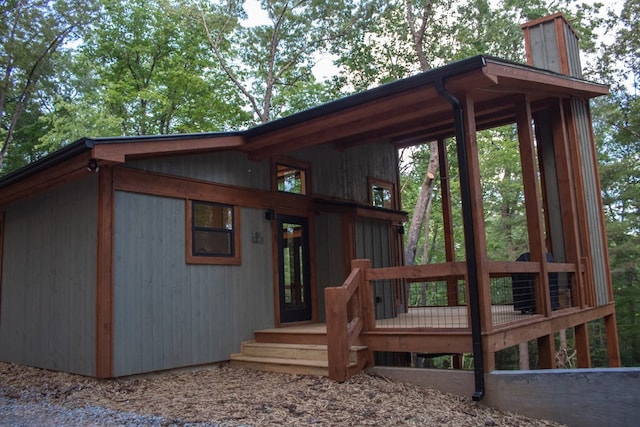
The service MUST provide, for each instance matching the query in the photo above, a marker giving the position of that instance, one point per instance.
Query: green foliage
(33, 36)
(151, 68)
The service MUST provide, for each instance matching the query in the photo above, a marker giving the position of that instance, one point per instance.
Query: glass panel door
(294, 276)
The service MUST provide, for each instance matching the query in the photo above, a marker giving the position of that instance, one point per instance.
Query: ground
(228, 396)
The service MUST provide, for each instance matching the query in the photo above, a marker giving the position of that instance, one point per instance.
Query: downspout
(469, 239)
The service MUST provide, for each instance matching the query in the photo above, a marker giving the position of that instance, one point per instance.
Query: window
(382, 194)
(291, 179)
(213, 233)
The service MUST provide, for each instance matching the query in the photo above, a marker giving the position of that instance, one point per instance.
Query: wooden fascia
(539, 326)
(349, 125)
(520, 79)
(61, 173)
(118, 152)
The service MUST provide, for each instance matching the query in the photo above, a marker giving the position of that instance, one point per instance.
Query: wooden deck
(417, 318)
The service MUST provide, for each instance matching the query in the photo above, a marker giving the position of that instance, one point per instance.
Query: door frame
(277, 216)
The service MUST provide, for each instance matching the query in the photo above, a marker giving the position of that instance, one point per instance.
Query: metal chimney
(552, 44)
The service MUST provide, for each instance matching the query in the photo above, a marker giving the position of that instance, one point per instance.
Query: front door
(294, 276)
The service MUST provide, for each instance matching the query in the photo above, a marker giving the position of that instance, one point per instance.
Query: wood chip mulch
(231, 396)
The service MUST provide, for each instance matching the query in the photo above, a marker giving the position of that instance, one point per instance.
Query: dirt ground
(228, 396)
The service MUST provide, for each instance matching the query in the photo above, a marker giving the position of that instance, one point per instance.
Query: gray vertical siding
(544, 46)
(48, 279)
(373, 242)
(592, 198)
(169, 314)
(330, 269)
(232, 168)
(343, 174)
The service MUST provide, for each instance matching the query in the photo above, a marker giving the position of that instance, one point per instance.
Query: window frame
(293, 164)
(214, 259)
(387, 185)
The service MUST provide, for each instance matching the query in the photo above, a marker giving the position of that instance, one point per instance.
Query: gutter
(469, 239)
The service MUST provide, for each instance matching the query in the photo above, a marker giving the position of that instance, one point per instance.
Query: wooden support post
(104, 275)
(613, 346)
(546, 352)
(366, 294)
(583, 349)
(337, 340)
(533, 203)
(480, 238)
(447, 220)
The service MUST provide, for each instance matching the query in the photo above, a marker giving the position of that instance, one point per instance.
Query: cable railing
(434, 299)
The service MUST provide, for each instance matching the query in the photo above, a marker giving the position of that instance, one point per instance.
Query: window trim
(388, 185)
(294, 164)
(191, 258)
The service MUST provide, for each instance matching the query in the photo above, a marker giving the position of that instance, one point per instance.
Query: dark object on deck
(524, 293)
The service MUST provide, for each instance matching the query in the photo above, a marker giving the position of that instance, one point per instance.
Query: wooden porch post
(104, 275)
(582, 345)
(613, 346)
(533, 202)
(533, 205)
(447, 220)
(477, 212)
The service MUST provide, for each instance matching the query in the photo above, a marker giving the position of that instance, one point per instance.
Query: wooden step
(310, 336)
(302, 359)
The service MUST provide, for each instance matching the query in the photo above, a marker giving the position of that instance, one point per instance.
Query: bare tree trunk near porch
(420, 211)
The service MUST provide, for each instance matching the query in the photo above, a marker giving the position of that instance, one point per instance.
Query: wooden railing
(349, 311)
(350, 307)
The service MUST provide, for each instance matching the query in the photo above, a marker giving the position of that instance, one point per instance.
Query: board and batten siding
(373, 242)
(229, 167)
(49, 279)
(169, 314)
(593, 201)
(330, 268)
(343, 174)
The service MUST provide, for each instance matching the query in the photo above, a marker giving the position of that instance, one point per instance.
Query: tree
(266, 63)
(617, 129)
(149, 65)
(32, 35)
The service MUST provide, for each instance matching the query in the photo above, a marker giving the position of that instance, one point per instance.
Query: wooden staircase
(301, 351)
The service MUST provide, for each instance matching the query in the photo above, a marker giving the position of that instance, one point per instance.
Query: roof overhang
(405, 112)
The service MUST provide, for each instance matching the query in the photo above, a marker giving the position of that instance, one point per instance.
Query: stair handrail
(349, 312)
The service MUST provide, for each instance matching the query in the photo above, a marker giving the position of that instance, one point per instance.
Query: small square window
(381, 194)
(291, 179)
(212, 234)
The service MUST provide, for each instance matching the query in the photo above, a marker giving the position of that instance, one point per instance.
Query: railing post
(337, 340)
(367, 308)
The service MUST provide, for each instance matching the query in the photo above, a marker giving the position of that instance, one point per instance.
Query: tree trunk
(423, 202)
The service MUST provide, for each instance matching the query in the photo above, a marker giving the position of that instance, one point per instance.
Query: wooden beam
(533, 203)
(104, 275)
(477, 212)
(62, 173)
(447, 220)
(132, 180)
(546, 352)
(450, 343)
(613, 346)
(583, 348)
(511, 335)
(118, 152)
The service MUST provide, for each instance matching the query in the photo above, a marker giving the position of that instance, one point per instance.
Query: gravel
(224, 396)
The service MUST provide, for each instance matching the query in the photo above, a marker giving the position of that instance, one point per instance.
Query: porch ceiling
(410, 111)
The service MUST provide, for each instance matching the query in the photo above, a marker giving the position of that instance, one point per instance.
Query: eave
(405, 112)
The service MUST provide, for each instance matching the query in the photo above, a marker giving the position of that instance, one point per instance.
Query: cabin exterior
(130, 255)
(121, 281)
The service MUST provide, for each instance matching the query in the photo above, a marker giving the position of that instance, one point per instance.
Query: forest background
(76, 68)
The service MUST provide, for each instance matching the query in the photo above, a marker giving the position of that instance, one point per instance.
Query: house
(137, 254)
